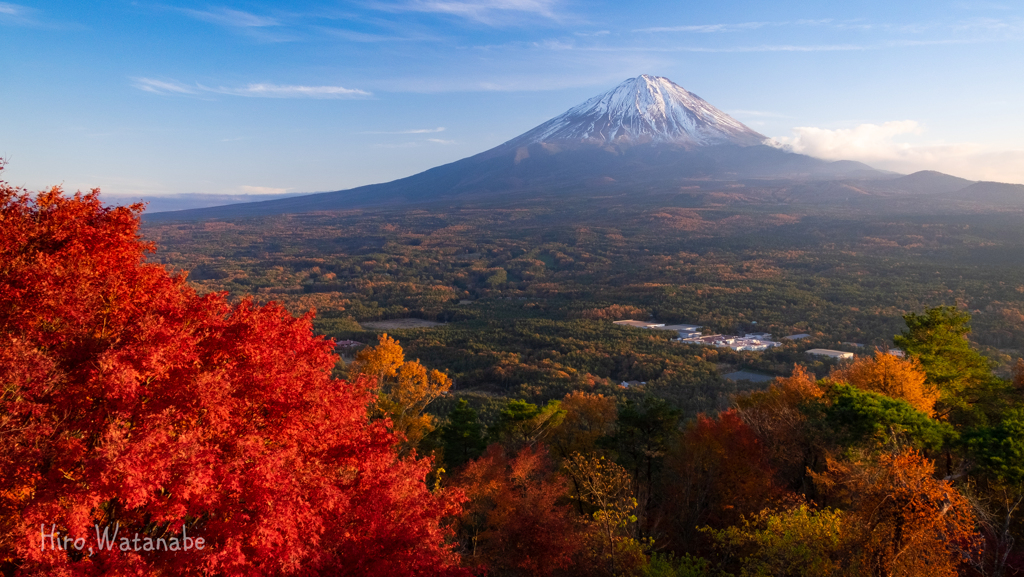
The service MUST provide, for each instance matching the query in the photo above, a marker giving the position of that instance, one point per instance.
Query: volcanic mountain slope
(645, 136)
(640, 110)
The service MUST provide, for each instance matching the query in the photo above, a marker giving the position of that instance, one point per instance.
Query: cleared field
(400, 324)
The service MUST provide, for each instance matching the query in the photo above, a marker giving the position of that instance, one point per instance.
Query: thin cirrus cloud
(879, 145)
(233, 18)
(257, 90)
(291, 91)
(18, 15)
(162, 87)
(715, 28)
(710, 28)
(491, 12)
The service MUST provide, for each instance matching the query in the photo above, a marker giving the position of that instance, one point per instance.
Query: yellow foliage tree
(608, 489)
(893, 377)
(405, 388)
(800, 541)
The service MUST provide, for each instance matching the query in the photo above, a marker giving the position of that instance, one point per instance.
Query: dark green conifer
(463, 435)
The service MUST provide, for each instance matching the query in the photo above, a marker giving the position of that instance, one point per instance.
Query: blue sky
(150, 98)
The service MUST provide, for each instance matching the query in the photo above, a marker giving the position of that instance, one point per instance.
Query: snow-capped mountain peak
(643, 109)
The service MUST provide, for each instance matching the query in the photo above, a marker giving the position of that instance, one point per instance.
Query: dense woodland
(500, 441)
(527, 295)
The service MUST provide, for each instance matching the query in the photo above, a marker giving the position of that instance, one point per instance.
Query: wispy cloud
(490, 12)
(977, 5)
(440, 141)
(980, 24)
(162, 87)
(1010, 25)
(767, 48)
(291, 91)
(880, 145)
(250, 90)
(709, 28)
(410, 131)
(233, 18)
(353, 36)
(19, 15)
(734, 27)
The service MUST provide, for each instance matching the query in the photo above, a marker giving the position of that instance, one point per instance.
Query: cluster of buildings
(749, 342)
(690, 334)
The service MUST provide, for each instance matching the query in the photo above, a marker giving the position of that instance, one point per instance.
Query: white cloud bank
(880, 147)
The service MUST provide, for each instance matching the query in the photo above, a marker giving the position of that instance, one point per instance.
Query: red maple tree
(132, 402)
(516, 521)
(716, 473)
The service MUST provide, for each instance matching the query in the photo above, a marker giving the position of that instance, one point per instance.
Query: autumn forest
(441, 390)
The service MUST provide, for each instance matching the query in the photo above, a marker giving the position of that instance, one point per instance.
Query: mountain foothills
(425, 377)
(646, 136)
(149, 428)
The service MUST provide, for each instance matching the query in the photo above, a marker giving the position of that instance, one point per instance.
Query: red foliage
(716, 473)
(128, 399)
(515, 522)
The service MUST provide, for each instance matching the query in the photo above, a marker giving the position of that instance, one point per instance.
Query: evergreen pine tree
(463, 435)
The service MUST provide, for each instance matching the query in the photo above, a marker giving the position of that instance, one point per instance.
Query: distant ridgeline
(643, 140)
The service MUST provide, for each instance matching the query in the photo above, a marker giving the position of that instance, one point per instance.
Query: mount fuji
(646, 136)
(642, 110)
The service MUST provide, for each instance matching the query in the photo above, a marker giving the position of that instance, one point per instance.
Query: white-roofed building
(830, 353)
(639, 324)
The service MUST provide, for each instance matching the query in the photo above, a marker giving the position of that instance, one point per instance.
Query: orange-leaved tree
(132, 403)
(777, 416)
(893, 377)
(907, 521)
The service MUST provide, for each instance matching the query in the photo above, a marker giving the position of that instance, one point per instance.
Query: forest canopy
(137, 399)
(131, 402)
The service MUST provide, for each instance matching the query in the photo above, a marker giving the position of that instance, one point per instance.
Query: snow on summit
(644, 109)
